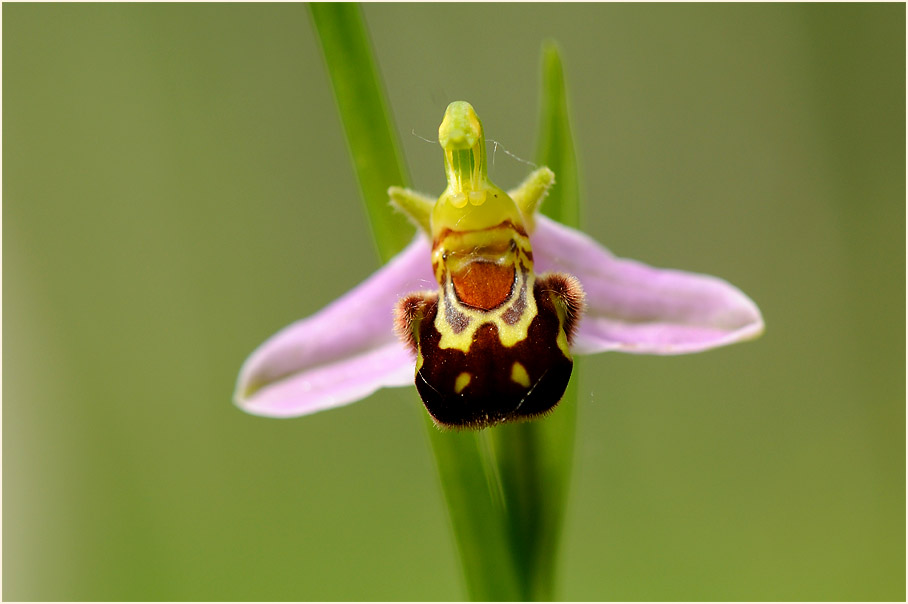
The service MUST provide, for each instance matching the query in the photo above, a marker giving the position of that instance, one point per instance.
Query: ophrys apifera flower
(486, 307)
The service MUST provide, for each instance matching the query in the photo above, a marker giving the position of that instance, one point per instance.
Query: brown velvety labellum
(491, 383)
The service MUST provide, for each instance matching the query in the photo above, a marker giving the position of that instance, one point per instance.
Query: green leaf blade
(361, 102)
(556, 141)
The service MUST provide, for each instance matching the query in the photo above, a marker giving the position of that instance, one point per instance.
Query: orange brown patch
(484, 285)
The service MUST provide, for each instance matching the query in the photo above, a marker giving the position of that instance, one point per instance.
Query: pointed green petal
(416, 206)
(529, 195)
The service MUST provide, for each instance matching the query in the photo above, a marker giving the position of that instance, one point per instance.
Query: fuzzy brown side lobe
(568, 289)
(408, 313)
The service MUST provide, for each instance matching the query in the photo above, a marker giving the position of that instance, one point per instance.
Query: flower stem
(505, 487)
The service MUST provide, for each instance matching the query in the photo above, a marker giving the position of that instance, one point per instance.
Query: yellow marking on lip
(519, 375)
(508, 334)
(561, 340)
(462, 381)
(455, 252)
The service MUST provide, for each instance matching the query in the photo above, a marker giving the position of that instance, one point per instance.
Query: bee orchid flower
(485, 308)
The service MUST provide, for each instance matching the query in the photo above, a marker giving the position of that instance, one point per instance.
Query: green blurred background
(177, 188)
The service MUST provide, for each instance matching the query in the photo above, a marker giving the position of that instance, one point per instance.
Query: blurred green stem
(505, 487)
